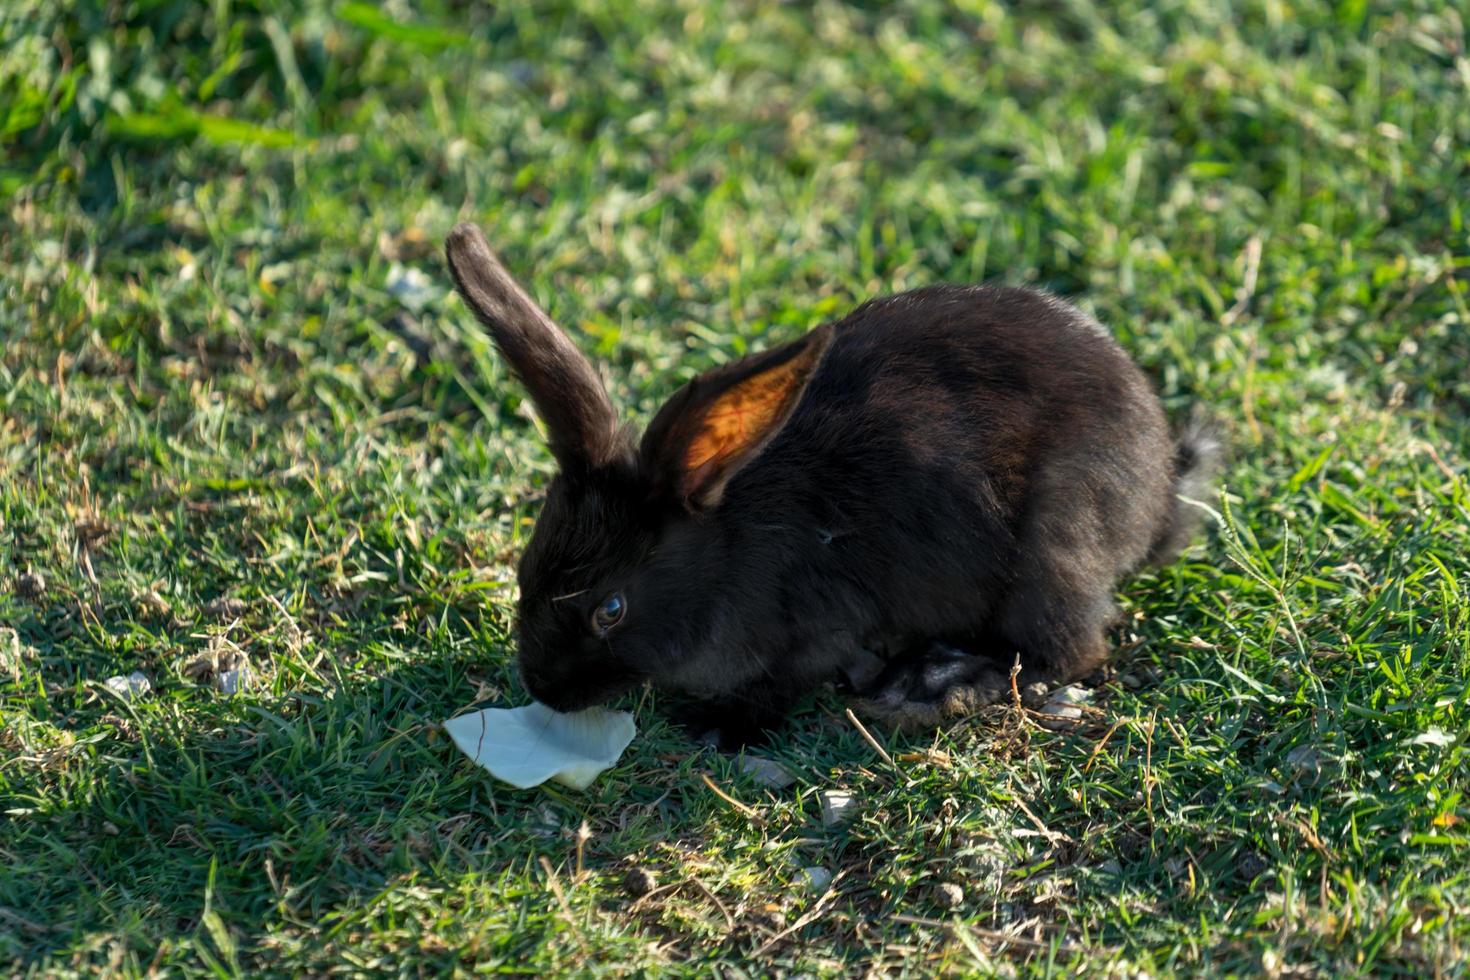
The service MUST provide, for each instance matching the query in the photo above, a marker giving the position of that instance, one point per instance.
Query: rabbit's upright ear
(721, 420)
(562, 384)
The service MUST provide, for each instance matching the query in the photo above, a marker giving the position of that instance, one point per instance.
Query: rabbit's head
(621, 578)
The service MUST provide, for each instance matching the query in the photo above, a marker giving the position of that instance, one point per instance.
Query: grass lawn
(243, 420)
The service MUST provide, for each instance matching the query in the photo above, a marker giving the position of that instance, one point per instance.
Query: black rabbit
(950, 476)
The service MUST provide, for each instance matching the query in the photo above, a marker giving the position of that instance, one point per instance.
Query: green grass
(208, 389)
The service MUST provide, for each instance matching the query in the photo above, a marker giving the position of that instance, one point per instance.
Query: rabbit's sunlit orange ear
(741, 418)
(722, 420)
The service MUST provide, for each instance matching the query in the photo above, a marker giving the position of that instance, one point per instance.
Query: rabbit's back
(938, 424)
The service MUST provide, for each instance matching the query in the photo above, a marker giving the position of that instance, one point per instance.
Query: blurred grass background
(242, 420)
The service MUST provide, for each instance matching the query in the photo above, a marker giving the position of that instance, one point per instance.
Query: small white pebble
(133, 686)
(232, 681)
(1059, 717)
(767, 773)
(817, 878)
(838, 806)
(411, 287)
(1062, 706)
(225, 607)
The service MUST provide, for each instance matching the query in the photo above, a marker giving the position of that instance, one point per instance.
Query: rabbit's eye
(610, 613)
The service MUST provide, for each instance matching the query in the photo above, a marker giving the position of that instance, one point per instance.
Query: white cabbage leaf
(528, 745)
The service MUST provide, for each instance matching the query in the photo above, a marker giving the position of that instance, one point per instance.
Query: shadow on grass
(294, 815)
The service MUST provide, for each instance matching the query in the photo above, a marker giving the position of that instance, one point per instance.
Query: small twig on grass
(60, 369)
(729, 919)
(868, 737)
(1016, 722)
(1313, 840)
(1444, 468)
(1242, 302)
(828, 897)
(1087, 766)
(555, 885)
(1148, 771)
(561, 898)
(661, 890)
(744, 810)
(1051, 835)
(1248, 285)
(286, 615)
(1248, 391)
(1175, 730)
(583, 835)
(21, 922)
(989, 935)
(656, 893)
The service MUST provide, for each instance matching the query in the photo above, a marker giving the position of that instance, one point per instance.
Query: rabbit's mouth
(564, 698)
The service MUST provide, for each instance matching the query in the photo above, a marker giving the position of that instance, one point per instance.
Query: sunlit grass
(221, 378)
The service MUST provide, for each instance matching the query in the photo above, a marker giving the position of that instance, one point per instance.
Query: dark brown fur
(963, 474)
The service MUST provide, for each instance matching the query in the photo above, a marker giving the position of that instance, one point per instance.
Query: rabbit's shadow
(305, 807)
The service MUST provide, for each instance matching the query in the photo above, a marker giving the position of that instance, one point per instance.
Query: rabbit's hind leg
(934, 683)
(1058, 612)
